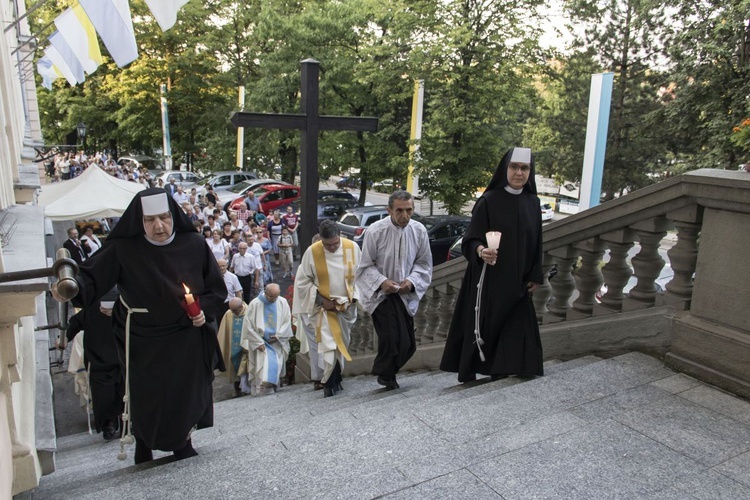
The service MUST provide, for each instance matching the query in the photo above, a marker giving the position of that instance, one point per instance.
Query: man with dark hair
(392, 277)
(324, 300)
(78, 249)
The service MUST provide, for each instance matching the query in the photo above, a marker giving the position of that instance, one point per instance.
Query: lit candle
(493, 239)
(188, 295)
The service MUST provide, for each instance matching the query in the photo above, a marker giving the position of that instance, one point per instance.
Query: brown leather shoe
(318, 386)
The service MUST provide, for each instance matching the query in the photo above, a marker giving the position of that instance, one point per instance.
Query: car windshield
(428, 224)
(239, 187)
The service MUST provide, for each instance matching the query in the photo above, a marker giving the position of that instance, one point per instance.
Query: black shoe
(497, 377)
(142, 453)
(109, 431)
(389, 384)
(186, 451)
(328, 392)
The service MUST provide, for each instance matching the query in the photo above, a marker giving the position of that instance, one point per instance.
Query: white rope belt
(127, 428)
(477, 334)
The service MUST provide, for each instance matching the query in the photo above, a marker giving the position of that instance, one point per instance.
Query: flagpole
(412, 181)
(241, 132)
(167, 143)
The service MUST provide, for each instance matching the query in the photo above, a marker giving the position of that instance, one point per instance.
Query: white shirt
(244, 264)
(233, 285)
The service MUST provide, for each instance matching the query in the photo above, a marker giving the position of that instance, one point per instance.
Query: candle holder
(493, 239)
(193, 309)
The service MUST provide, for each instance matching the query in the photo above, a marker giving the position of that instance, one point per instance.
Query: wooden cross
(310, 122)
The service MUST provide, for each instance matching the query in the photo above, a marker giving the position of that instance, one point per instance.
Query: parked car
(331, 208)
(443, 231)
(384, 186)
(332, 194)
(141, 161)
(352, 182)
(226, 196)
(271, 197)
(224, 180)
(354, 222)
(454, 252)
(184, 179)
(547, 211)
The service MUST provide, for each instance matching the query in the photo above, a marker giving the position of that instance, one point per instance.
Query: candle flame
(187, 290)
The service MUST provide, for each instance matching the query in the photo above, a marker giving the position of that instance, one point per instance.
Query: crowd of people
(67, 165)
(197, 294)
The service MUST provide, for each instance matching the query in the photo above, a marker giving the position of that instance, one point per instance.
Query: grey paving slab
(737, 468)
(676, 383)
(457, 485)
(604, 460)
(688, 428)
(612, 405)
(711, 485)
(719, 401)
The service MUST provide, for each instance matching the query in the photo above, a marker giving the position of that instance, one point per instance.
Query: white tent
(92, 195)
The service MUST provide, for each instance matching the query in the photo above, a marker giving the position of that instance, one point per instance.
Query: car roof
(371, 208)
(436, 219)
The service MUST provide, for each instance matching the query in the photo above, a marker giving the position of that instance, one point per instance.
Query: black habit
(508, 322)
(171, 361)
(106, 381)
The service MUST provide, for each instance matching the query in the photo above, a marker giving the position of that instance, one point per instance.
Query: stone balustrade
(608, 262)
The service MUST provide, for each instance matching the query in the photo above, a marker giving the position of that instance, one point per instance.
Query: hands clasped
(390, 286)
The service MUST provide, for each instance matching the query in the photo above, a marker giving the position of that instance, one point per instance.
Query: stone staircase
(624, 427)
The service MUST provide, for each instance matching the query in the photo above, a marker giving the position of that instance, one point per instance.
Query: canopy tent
(93, 194)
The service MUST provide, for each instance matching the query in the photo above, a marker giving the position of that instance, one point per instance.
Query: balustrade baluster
(588, 278)
(426, 317)
(544, 292)
(563, 285)
(648, 263)
(683, 257)
(448, 296)
(616, 272)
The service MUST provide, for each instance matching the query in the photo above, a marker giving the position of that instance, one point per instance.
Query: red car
(271, 197)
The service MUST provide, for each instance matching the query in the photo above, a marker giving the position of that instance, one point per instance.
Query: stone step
(624, 426)
(301, 406)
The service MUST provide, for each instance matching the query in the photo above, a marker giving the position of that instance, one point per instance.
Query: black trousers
(247, 287)
(395, 328)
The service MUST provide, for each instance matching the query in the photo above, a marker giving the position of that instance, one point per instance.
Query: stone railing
(594, 248)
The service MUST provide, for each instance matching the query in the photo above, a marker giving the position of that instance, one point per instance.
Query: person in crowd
(230, 334)
(265, 336)
(274, 225)
(211, 196)
(220, 216)
(505, 339)
(234, 243)
(181, 196)
(155, 256)
(226, 231)
(208, 211)
(213, 224)
(292, 220)
(286, 257)
(78, 249)
(105, 379)
(261, 236)
(246, 267)
(324, 303)
(393, 275)
(219, 246)
(207, 233)
(190, 211)
(251, 202)
(234, 288)
(244, 215)
(171, 187)
(235, 220)
(91, 240)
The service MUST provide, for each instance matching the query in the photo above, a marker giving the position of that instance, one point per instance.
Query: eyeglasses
(519, 166)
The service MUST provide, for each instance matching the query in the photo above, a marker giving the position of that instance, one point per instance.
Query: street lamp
(81, 129)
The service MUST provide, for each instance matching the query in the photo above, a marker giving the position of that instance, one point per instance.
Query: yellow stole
(324, 287)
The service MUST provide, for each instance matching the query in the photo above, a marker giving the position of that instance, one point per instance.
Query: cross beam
(311, 123)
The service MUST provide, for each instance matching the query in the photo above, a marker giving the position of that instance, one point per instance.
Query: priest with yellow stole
(325, 303)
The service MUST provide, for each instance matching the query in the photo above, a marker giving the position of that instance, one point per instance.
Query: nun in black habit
(150, 254)
(106, 381)
(510, 342)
